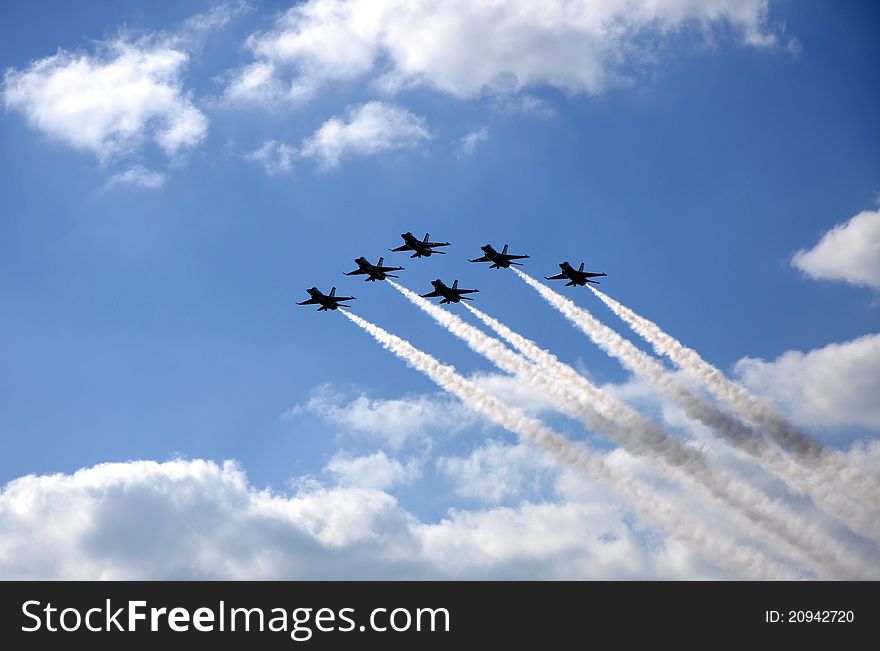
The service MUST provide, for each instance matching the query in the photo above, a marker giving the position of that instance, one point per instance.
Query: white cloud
(497, 471)
(396, 422)
(138, 176)
(848, 252)
(198, 520)
(837, 385)
(466, 48)
(513, 390)
(110, 102)
(215, 18)
(367, 129)
(274, 156)
(376, 470)
(468, 143)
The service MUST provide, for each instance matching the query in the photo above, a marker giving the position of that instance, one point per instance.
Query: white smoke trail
(823, 495)
(642, 438)
(823, 549)
(806, 448)
(726, 553)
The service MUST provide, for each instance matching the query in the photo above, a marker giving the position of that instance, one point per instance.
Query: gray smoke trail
(640, 437)
(786, 435)
(726, 553)
(823, 495)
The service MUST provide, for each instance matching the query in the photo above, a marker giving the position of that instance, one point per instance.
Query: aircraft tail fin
(581, 268)
(332, 291)
(427, 235)
(455, 284)
(381, 260)
(504, 250)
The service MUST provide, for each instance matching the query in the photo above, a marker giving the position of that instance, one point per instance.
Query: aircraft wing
(311, 301)
(516, 257)
(556, 277)
(467, 291)
(383, 269)
(404, 247)
(589, 275)
(343, 298)
(433, 294)
(356, 272)
(483, 259)
(433, 244)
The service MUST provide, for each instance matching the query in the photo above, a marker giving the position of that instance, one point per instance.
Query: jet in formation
(450, 294)
(498, 260)
(575, 276)
(327, 302)
(419, 247)
(372, 271)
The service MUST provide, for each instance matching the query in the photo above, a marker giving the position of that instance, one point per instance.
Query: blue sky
(154, 323)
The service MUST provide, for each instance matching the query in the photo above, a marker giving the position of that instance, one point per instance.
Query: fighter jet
(498, 260)
(331, 302)
(450, 294)
(372, 271)
(421, 247)
(575, 276)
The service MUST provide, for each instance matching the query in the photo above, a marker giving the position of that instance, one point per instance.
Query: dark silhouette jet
(331, 302)
(372, 271)
(575, 276)
(450, 294)
(421, 247)
(498, 260)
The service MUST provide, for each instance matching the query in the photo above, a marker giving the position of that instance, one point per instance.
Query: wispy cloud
(468, 143)
(395, 421)
(274, 156)
(375, 470)
(137, 176)
(366, 129)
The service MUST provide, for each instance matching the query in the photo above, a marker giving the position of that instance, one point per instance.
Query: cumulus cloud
(837, 385)
(375, 470)
(199, 520)
(848, 252)
(110, 102)
(366, 129)
(468, 143)
(396, 421)
(467, 48)
(138, 176)
(274, 156)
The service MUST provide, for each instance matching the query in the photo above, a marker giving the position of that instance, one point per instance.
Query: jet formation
(448, 294)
